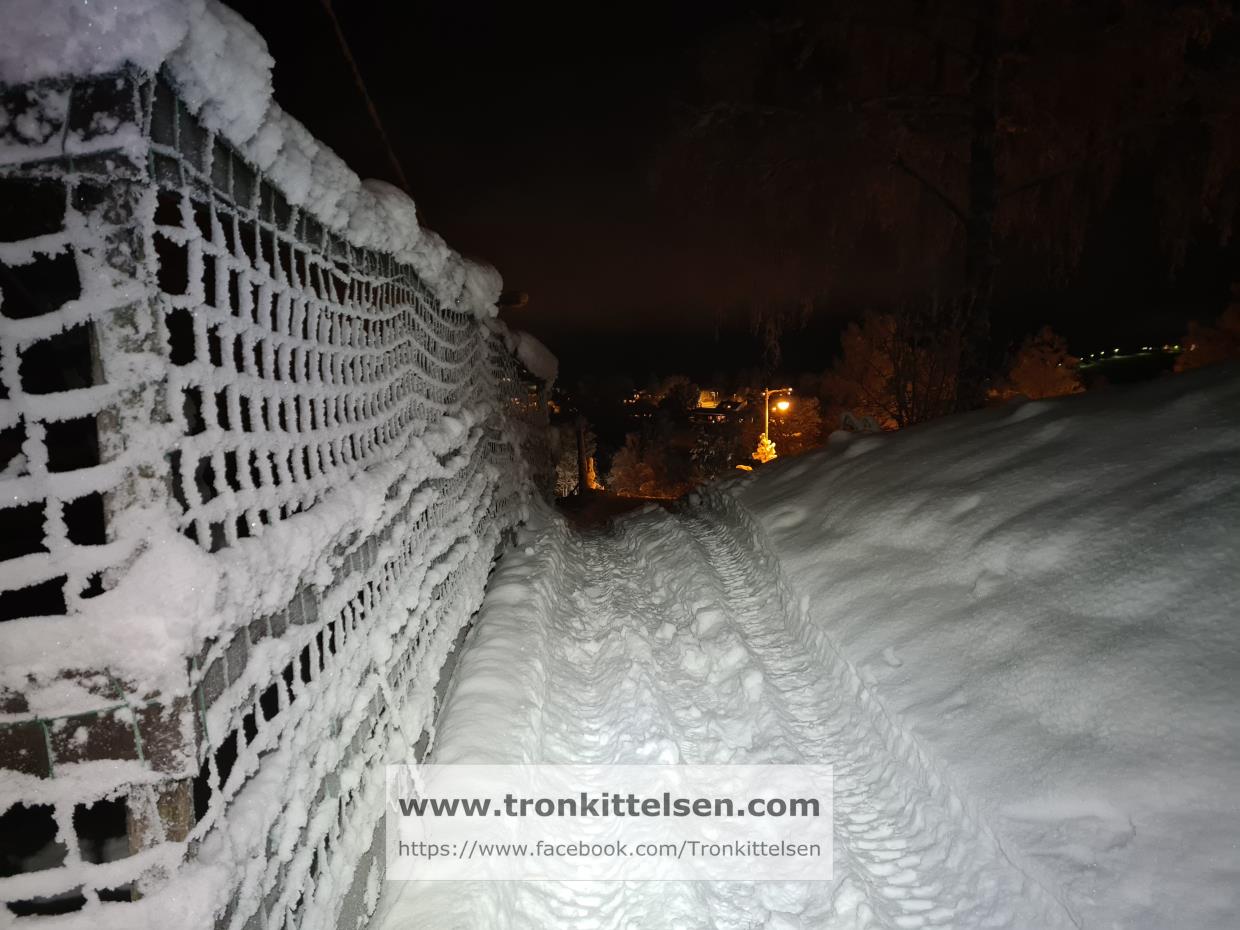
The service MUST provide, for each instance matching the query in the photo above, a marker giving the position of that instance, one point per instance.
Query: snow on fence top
(535, 356)
(259, 440)
(222, 71)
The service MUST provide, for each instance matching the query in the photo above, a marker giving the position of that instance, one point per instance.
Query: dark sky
(529, 132)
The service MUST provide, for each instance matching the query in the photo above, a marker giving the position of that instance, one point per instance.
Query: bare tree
(942, 136)
(900, 369)
(631, 475)
(1042, 367)
(1206, 345)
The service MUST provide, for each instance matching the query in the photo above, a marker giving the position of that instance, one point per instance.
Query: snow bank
(1046, 597)
(223, 73)
(536, 357)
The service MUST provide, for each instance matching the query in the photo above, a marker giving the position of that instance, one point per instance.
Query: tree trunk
(583, 471)
(980, 258)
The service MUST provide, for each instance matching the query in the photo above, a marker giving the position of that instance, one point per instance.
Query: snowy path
(671, 639)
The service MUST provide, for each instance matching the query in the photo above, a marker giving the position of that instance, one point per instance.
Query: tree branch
(940, 195)
(1076, 160)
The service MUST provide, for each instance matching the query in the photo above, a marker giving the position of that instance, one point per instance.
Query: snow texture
(43, 39)
(536, 357)
(1045, 597)
(1013, 633)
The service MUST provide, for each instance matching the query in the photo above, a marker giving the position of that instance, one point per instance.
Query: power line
(370, 104)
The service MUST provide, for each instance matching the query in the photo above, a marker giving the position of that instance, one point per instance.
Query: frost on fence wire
(176, 336)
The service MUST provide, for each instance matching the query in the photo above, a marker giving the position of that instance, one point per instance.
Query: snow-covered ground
(1047, 599)
(1016, 634)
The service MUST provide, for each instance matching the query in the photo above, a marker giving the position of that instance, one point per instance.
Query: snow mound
(536, 357)
(223, 72)
(1046, 598)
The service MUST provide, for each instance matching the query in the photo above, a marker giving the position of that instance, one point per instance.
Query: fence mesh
(182, 347)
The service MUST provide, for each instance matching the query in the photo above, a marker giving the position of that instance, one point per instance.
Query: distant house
(722, 412)
(641, 404)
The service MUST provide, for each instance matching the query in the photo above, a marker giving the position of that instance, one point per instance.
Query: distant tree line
(896, 370)
(948, 142)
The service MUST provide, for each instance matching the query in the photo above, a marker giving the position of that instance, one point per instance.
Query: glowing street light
(766, 449)
(781, 405)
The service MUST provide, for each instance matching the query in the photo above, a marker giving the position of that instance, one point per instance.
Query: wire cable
(370, 104)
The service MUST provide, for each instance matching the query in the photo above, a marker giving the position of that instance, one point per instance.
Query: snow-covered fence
(253, 476)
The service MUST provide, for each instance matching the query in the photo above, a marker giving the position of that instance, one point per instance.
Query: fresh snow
(1048, 597)
(1014, 633)
(49, 40)
(536, 357)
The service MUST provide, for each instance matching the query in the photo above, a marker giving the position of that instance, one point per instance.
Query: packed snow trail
(671, 639)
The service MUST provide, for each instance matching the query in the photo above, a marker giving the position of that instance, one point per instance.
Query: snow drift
(1047, 596)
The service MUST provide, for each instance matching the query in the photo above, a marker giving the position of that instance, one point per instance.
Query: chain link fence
(191, 365)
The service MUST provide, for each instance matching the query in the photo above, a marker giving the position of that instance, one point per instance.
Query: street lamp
(766, 449)
(780, 405)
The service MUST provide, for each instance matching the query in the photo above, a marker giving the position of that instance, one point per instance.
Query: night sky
(531, 136)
